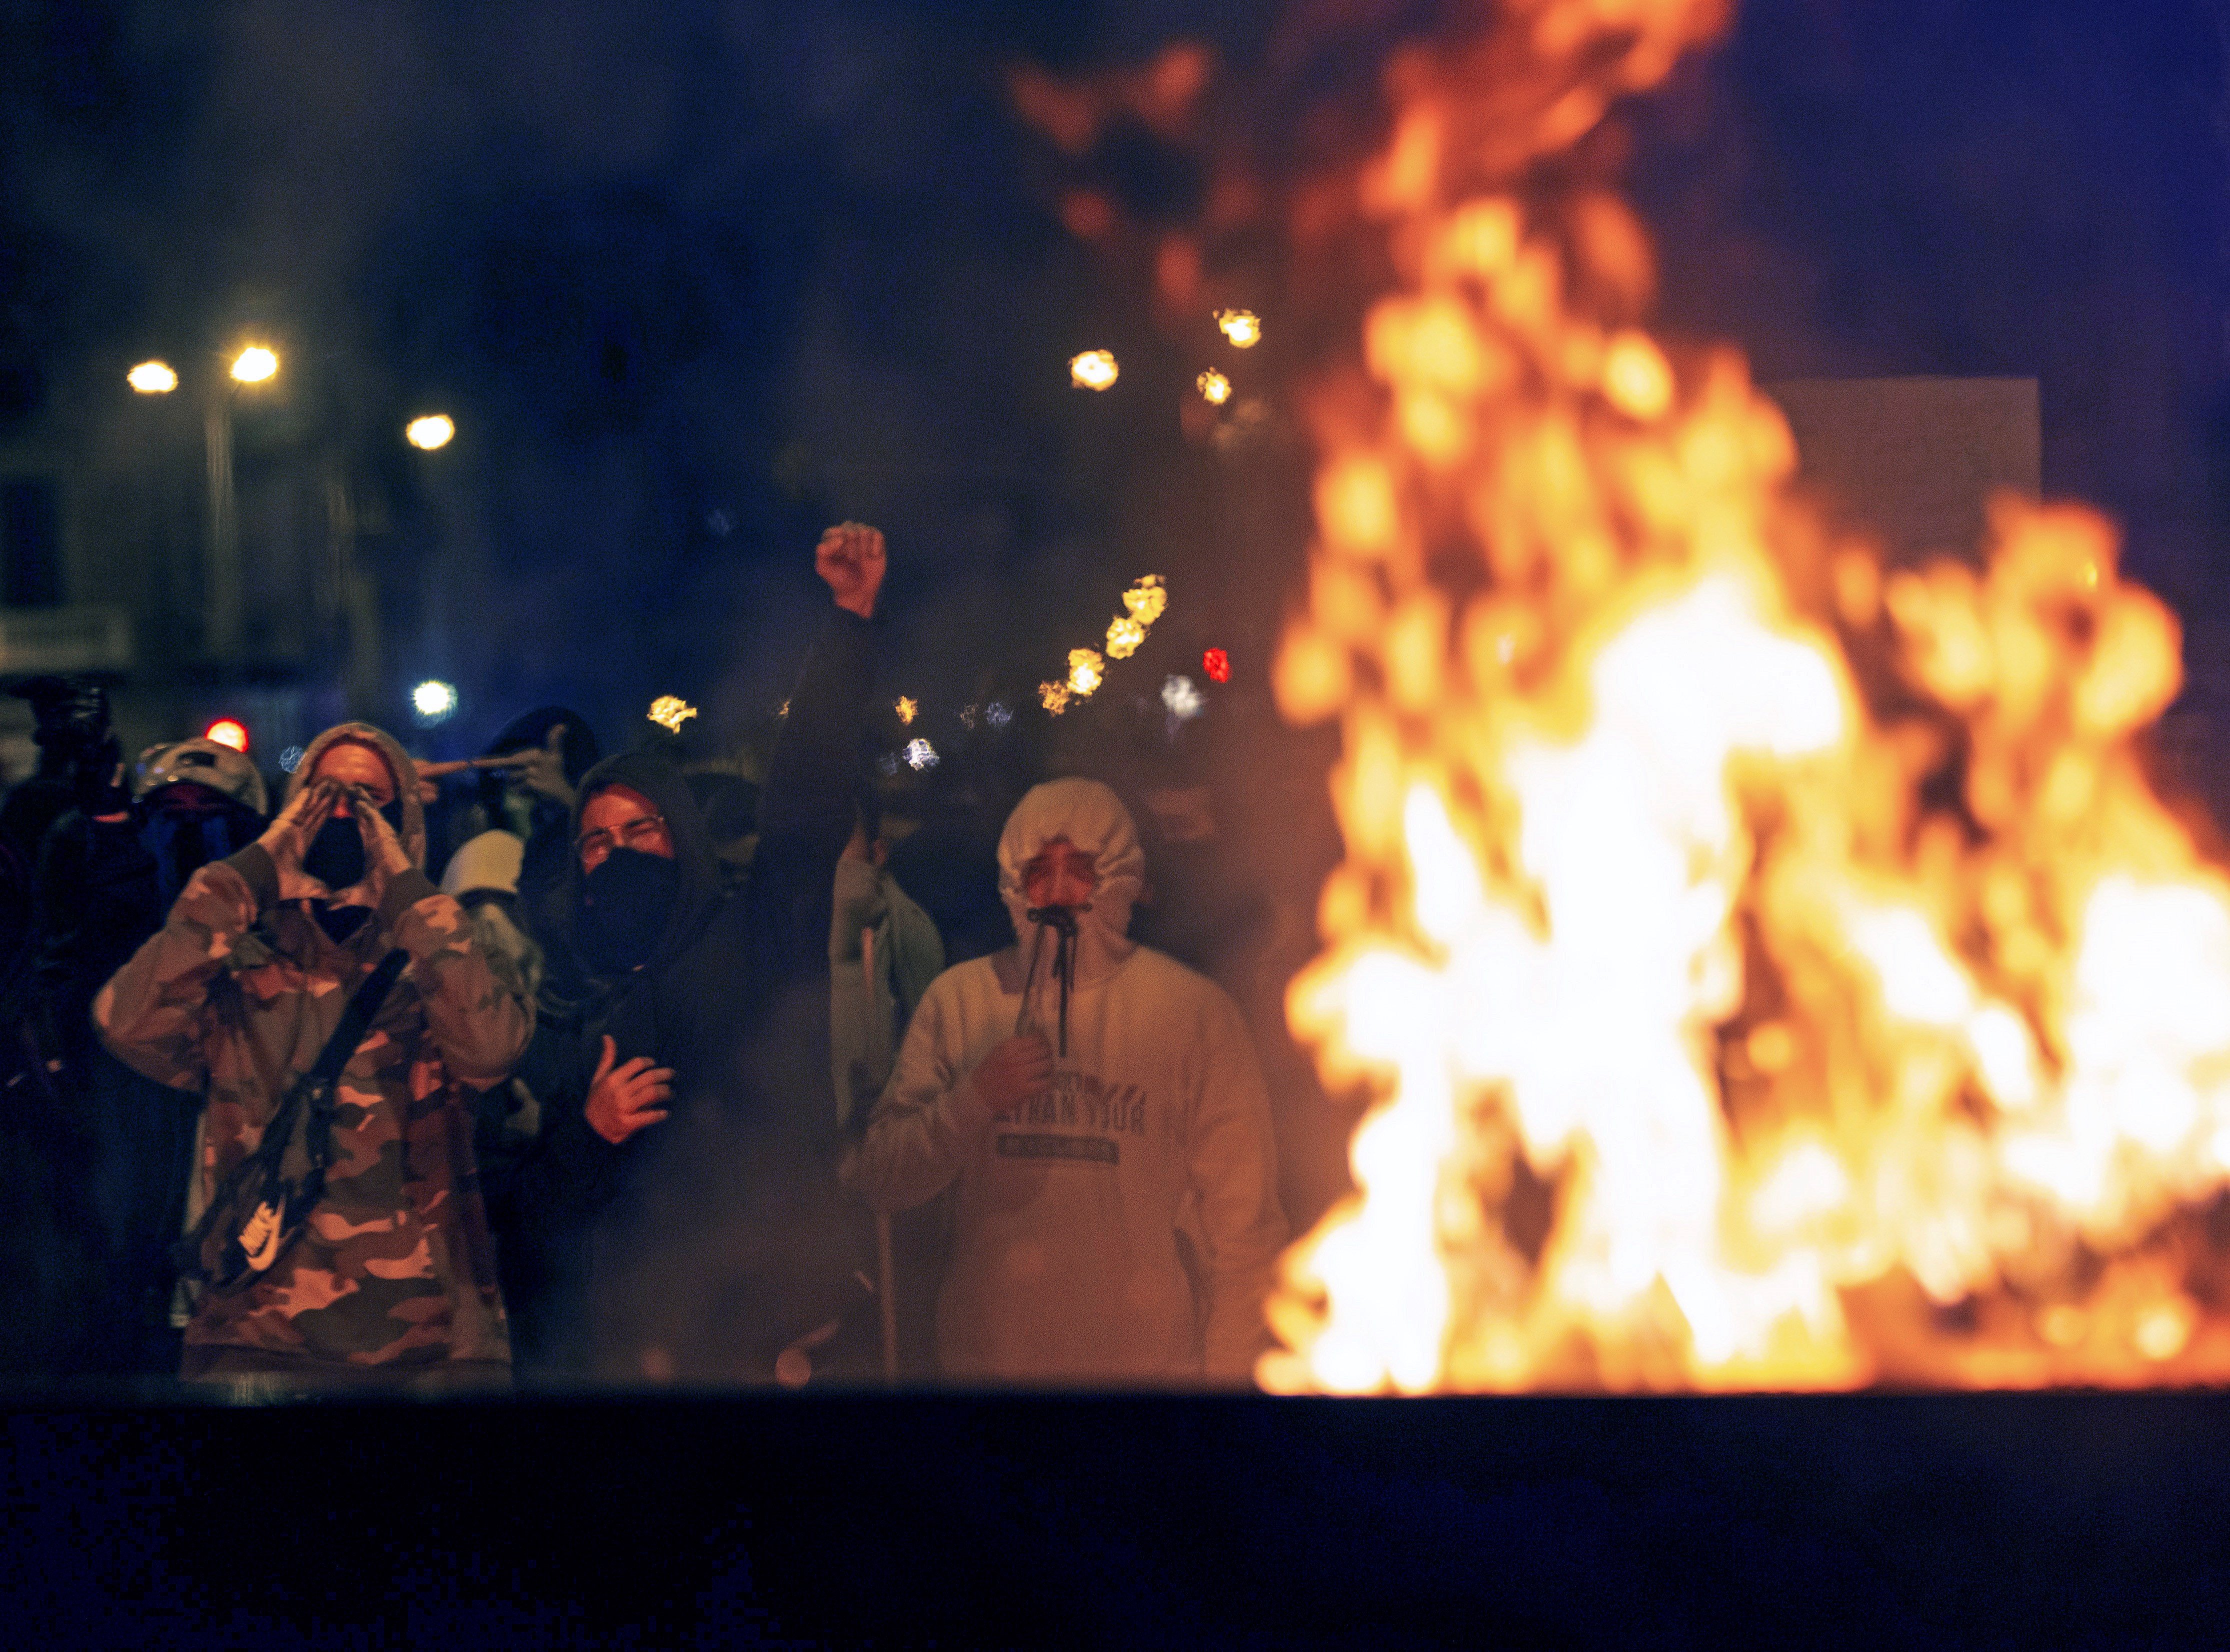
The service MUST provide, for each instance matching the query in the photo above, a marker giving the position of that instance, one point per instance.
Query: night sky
(697, 278)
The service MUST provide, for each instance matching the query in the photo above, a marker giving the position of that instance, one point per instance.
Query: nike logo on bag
(259, 1238)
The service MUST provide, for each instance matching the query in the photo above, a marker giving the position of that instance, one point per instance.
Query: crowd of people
(612, 1102)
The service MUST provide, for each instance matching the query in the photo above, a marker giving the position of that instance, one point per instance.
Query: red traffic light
(227, 731)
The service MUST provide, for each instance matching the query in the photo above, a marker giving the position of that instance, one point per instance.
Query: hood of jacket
(1091, 816)
(399, 764)
(655, 778)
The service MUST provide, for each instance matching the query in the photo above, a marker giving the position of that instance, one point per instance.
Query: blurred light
(907, 710)
(1242, 327)
(998, 714)
(968, 713)
(1182, 699)
(227, 731)
(1214, 387)
(1094, 370)
(1086, 672)
(888, 763)
(432, 431)
(1053, 696)
(291, 759)
(920, 754)
(1124, 636)
(1147, 599)
(670, 712)
(255, 364)
(1217, 665)
(433, 700)
(152, 378)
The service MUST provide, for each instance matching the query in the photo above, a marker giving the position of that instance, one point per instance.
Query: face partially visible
(353, 764)
(187, 797)
(619, 817)
(1060, 874)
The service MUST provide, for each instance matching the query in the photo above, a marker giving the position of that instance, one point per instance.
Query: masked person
(1097, 1108)
(50, 1234)
(105, 882)
(391, 1282)
(681, 1202)
(78, 762)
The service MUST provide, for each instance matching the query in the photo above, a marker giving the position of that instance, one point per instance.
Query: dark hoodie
(709, 1242)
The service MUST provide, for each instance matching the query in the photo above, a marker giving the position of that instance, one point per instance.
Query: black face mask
(335, 857)
(625, 904)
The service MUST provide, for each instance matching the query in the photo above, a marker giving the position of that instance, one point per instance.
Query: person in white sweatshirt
(1098, 1112)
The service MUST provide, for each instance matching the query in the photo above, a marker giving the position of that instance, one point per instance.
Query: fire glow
(1770, 970)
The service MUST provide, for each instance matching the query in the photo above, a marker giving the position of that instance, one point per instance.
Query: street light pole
(221, 614)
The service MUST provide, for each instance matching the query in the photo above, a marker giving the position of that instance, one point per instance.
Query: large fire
(1774, 967)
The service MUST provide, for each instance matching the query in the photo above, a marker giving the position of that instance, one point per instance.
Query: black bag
(256, 1214)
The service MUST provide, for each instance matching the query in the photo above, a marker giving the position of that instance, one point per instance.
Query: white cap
(489, 861)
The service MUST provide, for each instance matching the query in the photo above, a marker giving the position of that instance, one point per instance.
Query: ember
(1797, 940)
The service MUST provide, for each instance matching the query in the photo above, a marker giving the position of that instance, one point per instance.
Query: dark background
(696, 278)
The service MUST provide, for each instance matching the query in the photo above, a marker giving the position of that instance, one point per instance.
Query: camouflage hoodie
(236, 993)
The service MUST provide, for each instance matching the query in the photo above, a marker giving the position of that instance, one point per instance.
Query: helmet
(203, 762)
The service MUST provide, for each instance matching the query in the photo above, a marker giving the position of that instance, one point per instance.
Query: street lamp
(432, 431)
(434, 701)
(255, 365)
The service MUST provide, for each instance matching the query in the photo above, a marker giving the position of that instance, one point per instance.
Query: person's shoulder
(971, 978)
(1151, 964)
(1176, 986)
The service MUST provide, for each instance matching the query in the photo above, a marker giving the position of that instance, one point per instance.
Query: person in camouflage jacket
(393, 1279)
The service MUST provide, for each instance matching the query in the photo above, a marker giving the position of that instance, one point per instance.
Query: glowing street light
(1092, 370)
(670, 712)
(255, 364)
(432, 431)
(433, 700)
(152, 378)
(1242, 327)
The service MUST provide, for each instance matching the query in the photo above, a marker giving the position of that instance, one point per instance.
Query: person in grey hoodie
(1097, 1110)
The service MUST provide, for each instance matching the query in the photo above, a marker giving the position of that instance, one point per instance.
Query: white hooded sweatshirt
(1121, 1226)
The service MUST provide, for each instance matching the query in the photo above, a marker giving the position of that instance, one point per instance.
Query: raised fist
(850, 558)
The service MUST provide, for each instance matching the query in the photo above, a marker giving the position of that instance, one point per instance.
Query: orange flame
(1774, 970)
